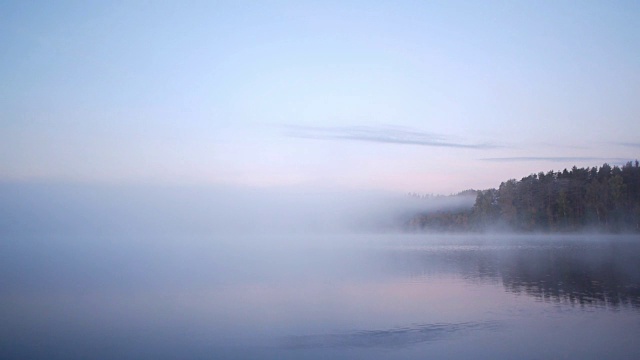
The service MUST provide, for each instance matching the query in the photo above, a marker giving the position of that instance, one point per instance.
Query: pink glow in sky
(411, 96)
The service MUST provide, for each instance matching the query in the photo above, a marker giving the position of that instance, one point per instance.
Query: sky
(410, 96)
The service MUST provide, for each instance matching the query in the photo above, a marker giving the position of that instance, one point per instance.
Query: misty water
(352, 296)
(76, 290)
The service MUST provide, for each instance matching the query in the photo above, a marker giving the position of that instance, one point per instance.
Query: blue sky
(414, 96)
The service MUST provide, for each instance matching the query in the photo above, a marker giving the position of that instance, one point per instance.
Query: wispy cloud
(388, 135)
(629, 144)
(556, 159)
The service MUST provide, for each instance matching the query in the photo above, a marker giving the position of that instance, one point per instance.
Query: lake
(355, 296)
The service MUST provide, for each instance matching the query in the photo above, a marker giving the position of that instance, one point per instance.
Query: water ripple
(390, 338)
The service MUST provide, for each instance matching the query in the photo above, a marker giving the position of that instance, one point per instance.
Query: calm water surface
(319, 297)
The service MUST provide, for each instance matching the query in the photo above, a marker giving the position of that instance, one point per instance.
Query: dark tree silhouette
(605, 198)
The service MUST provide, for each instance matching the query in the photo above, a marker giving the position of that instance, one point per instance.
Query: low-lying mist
(190, 269)
(64, 209)
(88, 237)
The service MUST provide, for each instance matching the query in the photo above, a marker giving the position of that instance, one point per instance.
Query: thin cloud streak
(387, 135)
(556, 159)
(628, 144)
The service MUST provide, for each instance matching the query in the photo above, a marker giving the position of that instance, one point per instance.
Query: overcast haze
(429, 97)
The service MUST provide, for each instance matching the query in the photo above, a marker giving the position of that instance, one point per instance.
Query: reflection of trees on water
(602, 275)
(585, 274)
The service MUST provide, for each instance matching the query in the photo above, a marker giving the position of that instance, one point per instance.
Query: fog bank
(63, 209)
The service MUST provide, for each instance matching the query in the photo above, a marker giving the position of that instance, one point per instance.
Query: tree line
(605, 198)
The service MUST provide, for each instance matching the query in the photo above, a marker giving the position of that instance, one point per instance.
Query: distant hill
(604, 199)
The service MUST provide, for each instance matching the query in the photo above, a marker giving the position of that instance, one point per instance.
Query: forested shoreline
(605, 199)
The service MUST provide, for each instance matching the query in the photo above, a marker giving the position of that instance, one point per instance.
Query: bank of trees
(605, 198)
